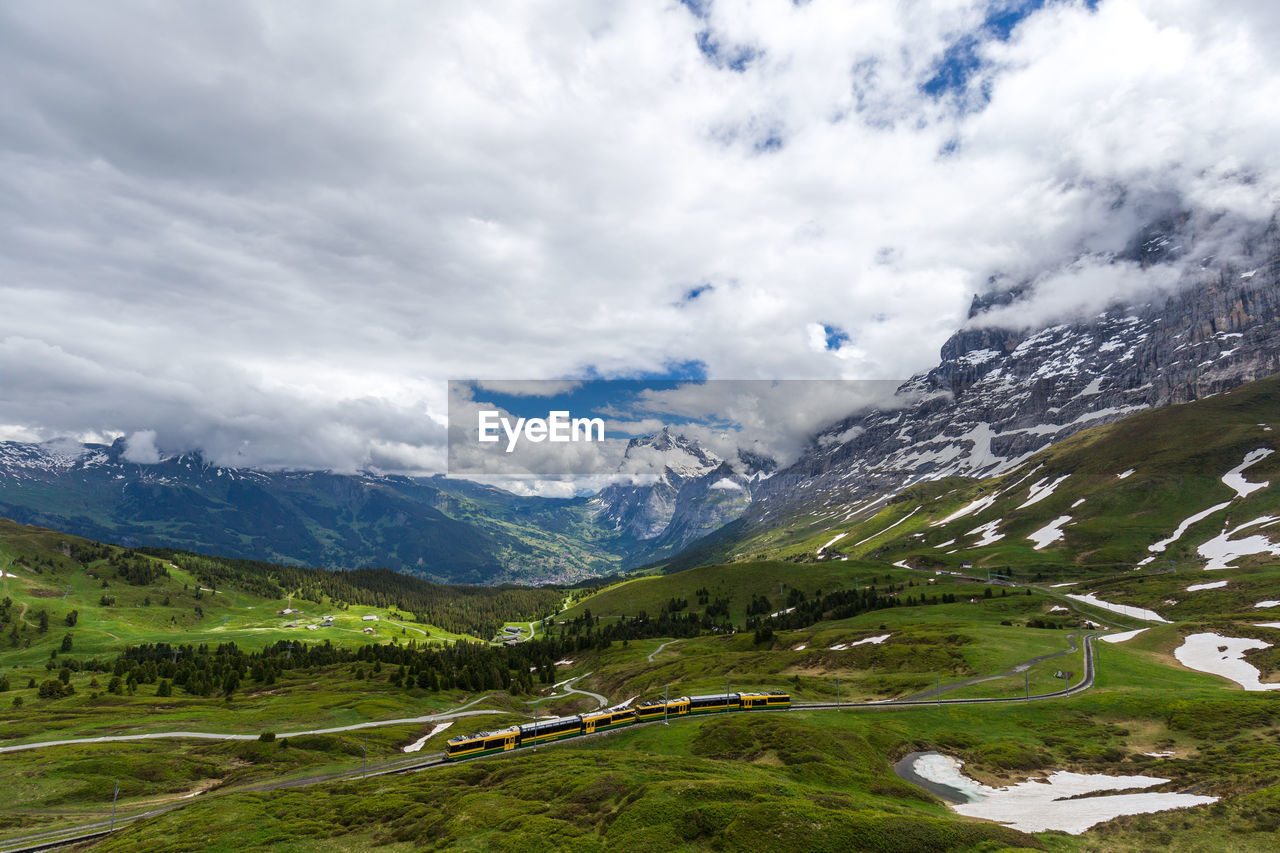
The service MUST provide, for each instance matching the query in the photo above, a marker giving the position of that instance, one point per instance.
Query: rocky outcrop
(678, 492)
(999, 395)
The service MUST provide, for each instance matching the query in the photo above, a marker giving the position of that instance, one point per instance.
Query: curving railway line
(57, 838)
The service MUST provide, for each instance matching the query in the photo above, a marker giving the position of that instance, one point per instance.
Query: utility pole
(837, 694)
(666, 697)
(939, 691)
(113, 806)
(1027, 673)
(366, 757)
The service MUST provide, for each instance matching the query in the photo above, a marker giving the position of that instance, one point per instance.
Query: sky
(754, 425)
(271, 232)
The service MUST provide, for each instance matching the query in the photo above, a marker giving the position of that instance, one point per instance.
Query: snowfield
(1217, 550)
(1196, 587)
(1123, 609)
(977, 506)
(1043, 805)
(1120, 638)
(1050, 533)
(1041, 490)
(875, 641)
(1223, 656)
(887, 529)
(1221, 551)
(1182, 528)
(1235, 477)
(989, 534)
(838, 537)
(418, 744)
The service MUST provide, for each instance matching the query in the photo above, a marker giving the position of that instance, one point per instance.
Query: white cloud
(272, 233)
(140, 447)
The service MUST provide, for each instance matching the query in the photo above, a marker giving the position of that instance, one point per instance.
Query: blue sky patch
(700, 8)
(962, 58)
(835, 336)
(692, 294)
(734, 57)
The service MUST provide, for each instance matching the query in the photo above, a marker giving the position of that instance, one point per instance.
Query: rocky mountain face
(999, 394)
(678, 492)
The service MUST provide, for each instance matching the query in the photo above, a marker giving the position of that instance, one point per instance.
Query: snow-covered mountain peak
(668, 456)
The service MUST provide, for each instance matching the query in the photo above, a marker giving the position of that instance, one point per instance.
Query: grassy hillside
(1114, 491)
(68, 607)
(799, 781)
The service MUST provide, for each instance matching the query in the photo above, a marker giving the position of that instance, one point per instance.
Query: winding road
(429, 718)
(66, 836)
(1017, 669)
(54, 838)
(569, 688)
(653, 653)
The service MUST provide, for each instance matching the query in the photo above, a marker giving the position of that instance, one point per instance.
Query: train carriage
(764, 701)
(481, 743)
(716, 703)
(602, 720)
(658, 709)
(545, 731)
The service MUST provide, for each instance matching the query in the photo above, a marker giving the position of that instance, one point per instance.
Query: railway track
(59, 838)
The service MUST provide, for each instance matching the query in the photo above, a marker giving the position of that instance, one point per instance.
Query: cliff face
(689, 493)
(999, 395)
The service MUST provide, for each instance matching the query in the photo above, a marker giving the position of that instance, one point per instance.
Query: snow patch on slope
(969, 509)
(1050, 533)
(1041, 490)
(1055, 803)
(1223, 656)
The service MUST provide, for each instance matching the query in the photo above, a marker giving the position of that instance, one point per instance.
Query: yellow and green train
(559, 728)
